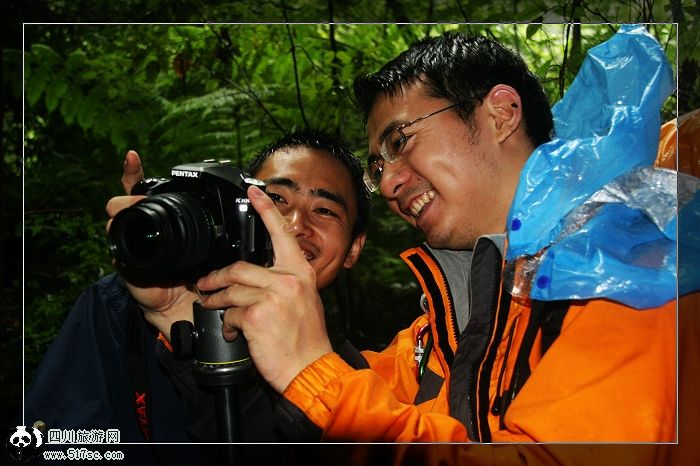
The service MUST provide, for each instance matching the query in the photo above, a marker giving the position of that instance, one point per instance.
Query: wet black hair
(336, 148)
(461, 68)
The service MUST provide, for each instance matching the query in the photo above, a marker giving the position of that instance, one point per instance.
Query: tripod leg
(227, 421)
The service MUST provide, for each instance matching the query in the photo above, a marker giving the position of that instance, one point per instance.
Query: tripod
(220, 365)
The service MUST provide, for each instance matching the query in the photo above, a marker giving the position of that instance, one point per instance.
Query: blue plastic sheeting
(586, 220)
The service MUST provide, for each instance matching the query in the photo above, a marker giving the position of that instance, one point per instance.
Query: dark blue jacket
(84, 380)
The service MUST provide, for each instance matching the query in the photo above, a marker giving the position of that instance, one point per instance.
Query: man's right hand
(161, 305)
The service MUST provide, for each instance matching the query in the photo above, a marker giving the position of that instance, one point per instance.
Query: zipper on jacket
(472, 405)
(496, 407)
(450, 300)
(441, 329)
(451, 304)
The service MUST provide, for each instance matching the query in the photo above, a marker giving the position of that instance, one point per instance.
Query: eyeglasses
(392, 146)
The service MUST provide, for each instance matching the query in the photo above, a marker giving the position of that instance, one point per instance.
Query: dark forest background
(76, 97)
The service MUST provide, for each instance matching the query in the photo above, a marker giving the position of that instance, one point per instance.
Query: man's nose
(394, 176)
(299, 221)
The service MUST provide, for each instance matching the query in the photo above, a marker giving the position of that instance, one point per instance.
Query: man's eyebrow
(318, 192)
(391, 126)
(282, 181)
(331, 196)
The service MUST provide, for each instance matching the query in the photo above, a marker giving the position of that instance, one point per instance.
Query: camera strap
(137, 366)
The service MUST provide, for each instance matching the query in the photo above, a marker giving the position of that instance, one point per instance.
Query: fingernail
(255, 193)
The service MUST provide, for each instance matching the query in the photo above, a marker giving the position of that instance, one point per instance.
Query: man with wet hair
(451, 123)
(91, 376)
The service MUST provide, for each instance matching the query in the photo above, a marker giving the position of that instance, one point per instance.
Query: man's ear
(505, 108)
(355, 249)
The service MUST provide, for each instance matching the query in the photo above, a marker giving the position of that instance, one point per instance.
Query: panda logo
(23, 445)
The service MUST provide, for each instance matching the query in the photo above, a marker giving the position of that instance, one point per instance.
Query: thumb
(133, 171)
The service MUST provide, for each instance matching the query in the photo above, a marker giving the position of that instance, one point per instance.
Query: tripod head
(217, 362)
(220, 365)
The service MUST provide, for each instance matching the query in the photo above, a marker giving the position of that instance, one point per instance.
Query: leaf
(87, 111)
(532, 29)
(211, 85)
(118, 139)
(89, 75)
(76, 59)
(54, 92)
(69, 105)
(45, 54)
(27, 70)
(36, 85)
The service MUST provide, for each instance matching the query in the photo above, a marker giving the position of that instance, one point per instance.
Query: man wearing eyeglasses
(451, 123)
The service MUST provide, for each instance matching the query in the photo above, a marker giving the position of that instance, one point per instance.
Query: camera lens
(141, 237)
(164, 234)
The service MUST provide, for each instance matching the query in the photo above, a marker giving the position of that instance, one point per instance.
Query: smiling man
(451, 123)
(316, 184)
(430, 191)
(90, 374)
(326, 209)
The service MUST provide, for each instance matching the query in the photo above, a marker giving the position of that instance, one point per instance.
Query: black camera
(197, 221)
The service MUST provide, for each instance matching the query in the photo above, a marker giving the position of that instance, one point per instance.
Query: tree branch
(677, 11)
(335, 65)
(562, 70)
(597, 13)
(248, 90)
(461, 10)
(296, 70)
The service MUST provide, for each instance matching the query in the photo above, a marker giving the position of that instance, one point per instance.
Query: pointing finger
(287, 251)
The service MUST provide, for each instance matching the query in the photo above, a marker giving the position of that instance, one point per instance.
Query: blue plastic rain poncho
(591, 217)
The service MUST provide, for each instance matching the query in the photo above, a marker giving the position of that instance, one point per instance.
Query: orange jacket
(609, 376)
(687, 132)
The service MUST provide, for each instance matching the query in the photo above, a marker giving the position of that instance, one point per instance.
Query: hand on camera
(162, 305)
(278, 309)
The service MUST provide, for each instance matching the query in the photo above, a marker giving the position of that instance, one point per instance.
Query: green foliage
(94, 91)
(184, 93)
(187, 92)
(50, 290)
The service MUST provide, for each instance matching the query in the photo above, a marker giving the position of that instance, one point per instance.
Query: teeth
(420, 202)
(307, 250)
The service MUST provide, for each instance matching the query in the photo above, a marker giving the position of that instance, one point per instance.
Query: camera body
(197, 221)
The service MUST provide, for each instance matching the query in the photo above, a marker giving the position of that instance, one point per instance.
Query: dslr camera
(197, 221)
